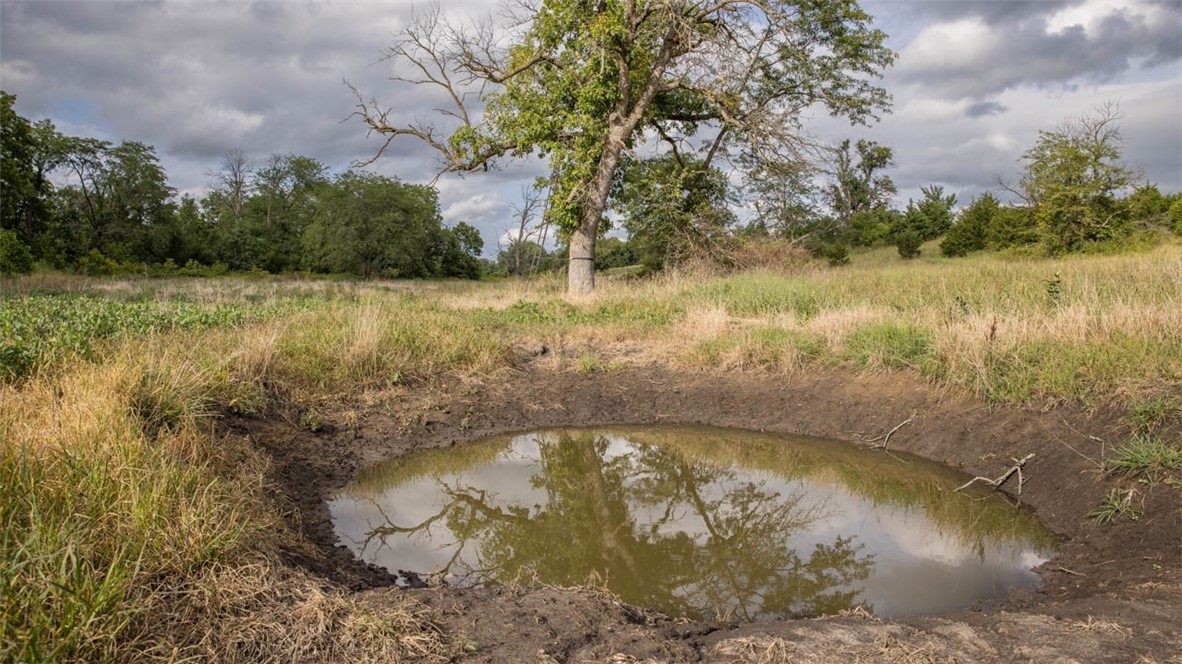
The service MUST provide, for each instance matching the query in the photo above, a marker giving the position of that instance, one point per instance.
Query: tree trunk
(580, 271)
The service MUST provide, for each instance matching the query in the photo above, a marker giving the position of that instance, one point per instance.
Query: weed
(1054, 289)
(588, 363)
(891, 345)
(311, 421)
(1116, 504)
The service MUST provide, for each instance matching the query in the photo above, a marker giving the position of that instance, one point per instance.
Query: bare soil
(1113, 593)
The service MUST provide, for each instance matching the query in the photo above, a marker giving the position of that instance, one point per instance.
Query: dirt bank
(1112, 594)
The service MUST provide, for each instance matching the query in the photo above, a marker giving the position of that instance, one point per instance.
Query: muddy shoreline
(1113, 593)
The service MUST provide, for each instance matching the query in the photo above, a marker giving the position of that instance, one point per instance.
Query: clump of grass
(768, 348)
(130, 529)
(258, 611)
(1146, 456)
(762, 295)
(380, 344)
(95, 513)
(589, 363)
(891, 345)
(1150, 414)
(1116, 504)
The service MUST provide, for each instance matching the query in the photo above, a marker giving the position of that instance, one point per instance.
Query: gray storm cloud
(974, 83)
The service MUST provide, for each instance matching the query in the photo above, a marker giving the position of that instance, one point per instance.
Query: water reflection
(662, 519)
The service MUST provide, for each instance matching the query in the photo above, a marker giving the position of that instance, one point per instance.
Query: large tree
(856, 186)
(1073, 180)
(581, 82)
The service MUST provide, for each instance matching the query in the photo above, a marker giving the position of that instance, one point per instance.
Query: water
(695, 521)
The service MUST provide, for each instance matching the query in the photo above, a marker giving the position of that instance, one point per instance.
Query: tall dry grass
(133, 530)
(1086, 328)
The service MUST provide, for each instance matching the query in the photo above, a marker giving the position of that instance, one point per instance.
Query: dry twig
(996, 483)
(886, 438)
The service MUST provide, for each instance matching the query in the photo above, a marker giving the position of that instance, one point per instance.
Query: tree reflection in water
(737, 563)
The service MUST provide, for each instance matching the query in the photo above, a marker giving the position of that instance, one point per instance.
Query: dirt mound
(1112, 593)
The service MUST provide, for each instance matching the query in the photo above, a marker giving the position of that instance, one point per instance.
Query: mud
(1113, 593)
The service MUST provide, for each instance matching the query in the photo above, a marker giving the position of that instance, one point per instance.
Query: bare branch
(1002, 479)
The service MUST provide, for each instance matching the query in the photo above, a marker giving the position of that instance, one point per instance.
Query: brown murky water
(695, 521)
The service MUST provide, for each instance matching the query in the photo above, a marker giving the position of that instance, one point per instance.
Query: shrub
(870, 227)
(908, 243)
(15, 257)
(767, 254)
(932, 216)
(1175, 215)
(837, 253)
(96, 264)
(968, 234)
(1011, 227)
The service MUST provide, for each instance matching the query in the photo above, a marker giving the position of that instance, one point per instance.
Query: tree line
(1074, 194)
(96, 207)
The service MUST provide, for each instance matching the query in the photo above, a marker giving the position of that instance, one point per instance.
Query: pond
(695, 521)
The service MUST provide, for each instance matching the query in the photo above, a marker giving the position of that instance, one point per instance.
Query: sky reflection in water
(695, 521)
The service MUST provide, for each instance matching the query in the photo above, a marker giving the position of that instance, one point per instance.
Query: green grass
(983, 323)
(1117, 504)
(890, 344)
(1151, 414)
(41, 329)
(1146, 456)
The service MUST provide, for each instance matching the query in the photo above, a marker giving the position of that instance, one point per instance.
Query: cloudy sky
(974, 82)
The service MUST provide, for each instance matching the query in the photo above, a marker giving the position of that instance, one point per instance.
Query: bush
(15, 257)
(908, 243)
(1147, 204)
(968, 234)
(932, 216)
(96, 264)
(870, 227)
(1011, 227)
(762, 254)
(837, 253)
(1175, 215)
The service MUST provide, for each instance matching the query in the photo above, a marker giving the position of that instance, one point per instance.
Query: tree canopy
(1072, 179)
(109, 208)
(580, 82)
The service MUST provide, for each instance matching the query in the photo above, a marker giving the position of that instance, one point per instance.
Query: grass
(134, 528)
(983, 323)
(1116, 504)
(1146, 456)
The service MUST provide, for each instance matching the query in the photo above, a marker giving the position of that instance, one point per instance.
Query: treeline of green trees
(1073, 195)
(99, 208)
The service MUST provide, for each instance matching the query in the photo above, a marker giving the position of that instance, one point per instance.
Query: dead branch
(886, 437)
(996, 483)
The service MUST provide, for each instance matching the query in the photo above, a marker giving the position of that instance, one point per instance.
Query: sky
(974, 83)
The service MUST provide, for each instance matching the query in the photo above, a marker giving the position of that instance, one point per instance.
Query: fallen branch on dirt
(886, 437)
(996, 484)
